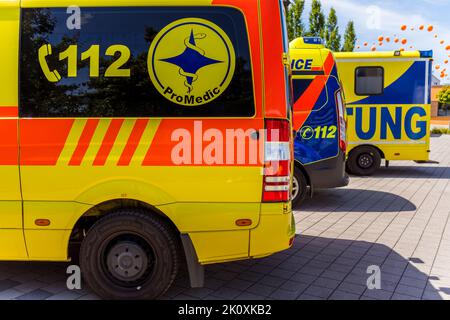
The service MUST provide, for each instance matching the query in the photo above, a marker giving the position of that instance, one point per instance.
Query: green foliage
(332, 36)
(440, 131)
(318, 27)
(316, 20)
(349, 38)
(444, 95)
(296, 27)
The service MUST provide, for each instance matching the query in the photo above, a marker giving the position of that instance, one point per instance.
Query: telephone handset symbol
(51, 75)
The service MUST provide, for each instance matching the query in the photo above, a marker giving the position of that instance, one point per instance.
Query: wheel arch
(85, 222)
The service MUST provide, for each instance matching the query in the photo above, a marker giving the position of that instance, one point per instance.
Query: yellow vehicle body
(394, 118)
(60, 173)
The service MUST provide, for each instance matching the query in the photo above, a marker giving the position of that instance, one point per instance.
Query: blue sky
(374, 18)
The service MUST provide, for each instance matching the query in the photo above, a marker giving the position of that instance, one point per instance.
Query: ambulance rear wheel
(299, 188)
(130, 254)
(364, 161)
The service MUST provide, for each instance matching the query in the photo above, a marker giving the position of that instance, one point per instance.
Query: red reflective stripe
(9, 112)
(108, 142)
(304, 105)
(83, 143)
(329, 64)
(133, 142)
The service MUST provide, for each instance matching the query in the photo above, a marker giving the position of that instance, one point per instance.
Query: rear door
(11, 234)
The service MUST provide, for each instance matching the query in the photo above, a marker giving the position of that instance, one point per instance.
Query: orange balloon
(446, 61)
(365, 44)
(380, 38)
(402, 49)
(447, 48)
(404, 41)
(403, 27)
(430, 28)
(374, 48)
(422, 27)
(412, 28)
(357, 47)
(380, 44)
(438, 67)
(396, 40)
(435, 35)
(388, 39)
(442, 42)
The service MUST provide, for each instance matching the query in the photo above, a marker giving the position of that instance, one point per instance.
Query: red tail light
(277, 162)
(342, 123)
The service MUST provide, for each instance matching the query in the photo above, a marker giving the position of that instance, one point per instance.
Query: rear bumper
(275, 231)
(328, 173)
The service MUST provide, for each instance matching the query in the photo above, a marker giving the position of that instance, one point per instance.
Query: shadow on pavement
(356, 200)
(316, 268)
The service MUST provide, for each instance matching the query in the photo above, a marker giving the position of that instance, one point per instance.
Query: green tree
(444, 96)
(332, 36)
(349, 38)
(296, 27)
(316, 20)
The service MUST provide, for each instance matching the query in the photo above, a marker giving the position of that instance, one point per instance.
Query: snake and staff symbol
(191, 60)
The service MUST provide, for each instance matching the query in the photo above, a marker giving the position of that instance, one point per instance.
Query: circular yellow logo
(191, 61)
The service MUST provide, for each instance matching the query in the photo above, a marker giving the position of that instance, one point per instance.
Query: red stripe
(304, 105)
(83, 143)
(133, 142)
(329, 64)
(108, 142)
(9, 112)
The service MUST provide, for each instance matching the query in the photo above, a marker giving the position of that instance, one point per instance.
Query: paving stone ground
(397, 220)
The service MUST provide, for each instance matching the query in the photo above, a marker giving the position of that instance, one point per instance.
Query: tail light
(342, 123)
(277, 162)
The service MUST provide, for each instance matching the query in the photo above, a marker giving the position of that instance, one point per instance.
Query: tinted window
(369, 81)
(105, 69)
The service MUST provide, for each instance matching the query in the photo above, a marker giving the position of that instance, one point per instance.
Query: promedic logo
(191, 62)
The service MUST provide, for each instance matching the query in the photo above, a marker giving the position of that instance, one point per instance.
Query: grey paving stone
(272, 281)
(326, 283)
(317, 291)
(250, 296)
(261, 289)
(343, 295)
(8, 283)
(398, 296)
(409, 291)
(199, 293)
(281, 294)
(38, 294)
(334, 275)
(10, 294)
(378, 294)
(226, 293)
(65, 295)
(352, 288)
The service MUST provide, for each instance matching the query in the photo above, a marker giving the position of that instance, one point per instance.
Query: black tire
(130, 255)
(300, 181)
(364, 161)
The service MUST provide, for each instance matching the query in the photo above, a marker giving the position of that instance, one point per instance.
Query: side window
(157, 62)
(369, 81)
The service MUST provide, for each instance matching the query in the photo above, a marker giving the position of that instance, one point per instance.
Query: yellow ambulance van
(143, 131)
(388, 98)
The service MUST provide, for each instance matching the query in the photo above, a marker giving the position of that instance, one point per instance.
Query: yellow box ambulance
(144, 132)
(388, 98)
